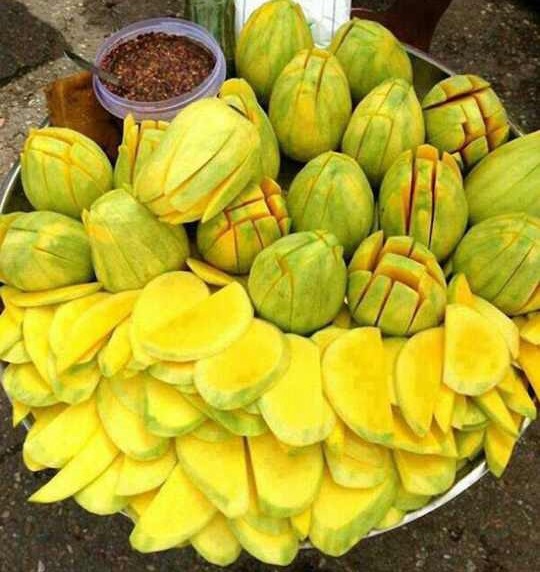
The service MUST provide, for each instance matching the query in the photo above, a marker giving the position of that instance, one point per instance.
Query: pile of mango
(237, 359)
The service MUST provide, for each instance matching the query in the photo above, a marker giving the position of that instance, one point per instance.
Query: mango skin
(298, 283)
(332, 193)
(310, 105)
(506, 181)
(271, 37)
(500, 257)
(385, 123)
(129, 245)
(44, 250)
(63, 171)
(369, 54)
(422, 196)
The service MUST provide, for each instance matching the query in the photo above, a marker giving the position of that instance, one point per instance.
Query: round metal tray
(427, 72)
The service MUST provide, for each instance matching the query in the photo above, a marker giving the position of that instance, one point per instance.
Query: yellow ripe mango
(301, 524)
(98, 453)
(469, 443)
(354, 379)
(286, 484)
(208, 273)
(530, 331)
(529, 359)
(216, 543)
(177, 512)
(116, 353)
(55, 296)
(392, 347)
(76, 384)
(173, 372)
(425, 474)
(23, 383)
(391, 519)
(493, 406)
(444, 408)
(19, 412)
(515, 395)
(476, 356)
(137, 477)
(294, 407)
(36, 325)
(323, 338)
(418, 377)
(498, 448)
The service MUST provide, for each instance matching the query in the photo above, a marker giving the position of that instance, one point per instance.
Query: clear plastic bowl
(168, 108)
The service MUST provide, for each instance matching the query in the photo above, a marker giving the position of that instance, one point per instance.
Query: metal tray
(427, 72)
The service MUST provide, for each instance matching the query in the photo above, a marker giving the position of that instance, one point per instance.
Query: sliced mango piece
(77, 383)
(444, 408)
(138, 477)
(529, 359)
(425, 474)
(473, 417)
(323, 338)
(54, 296)
(216, 543)
(228, 380)
(341, 516)
(173, 372)
(294, 407)
(335, 441)
(130, 391)
(407, 501)
(42, 417)
(301, 523)
(493, 406)
(177, 512)
(16, 354)
(286, 484)
(498, 447)
(392, 347)
(460, 408)
(459, 291)
(19, 412)
(10, 330)
(476, 356)
(469, 443)
(260, 521)
(392, 518)
(354, 378)
(212, 432)
(418, 378)
(516, 396)
(116, 353)
(530, 331)
(219, 470)
(36, 325)
(209, 274)
(139, 503)
(23, 383)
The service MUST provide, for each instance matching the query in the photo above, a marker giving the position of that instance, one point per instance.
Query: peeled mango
(206, 158)
(272, 36)
(332, 193)
(465, 117)
(422, 196)
(397, 285)
(238, 94)
(63, 171)
(256, 219)
(310, 105)
(501, 259)
(506, 181)
(44, 250)
(129, 245)
(369, 54)
(385, 123)
(299, 282)
(138, 143)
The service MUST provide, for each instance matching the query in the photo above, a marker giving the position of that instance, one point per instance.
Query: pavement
(492, 527)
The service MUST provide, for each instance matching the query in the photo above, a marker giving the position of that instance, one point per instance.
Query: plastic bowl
(168, 108)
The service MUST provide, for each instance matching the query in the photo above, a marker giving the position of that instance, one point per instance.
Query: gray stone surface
(493, 527)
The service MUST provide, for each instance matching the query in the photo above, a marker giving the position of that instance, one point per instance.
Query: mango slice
(418, 378)
(36, 325)
(294, 407)
(473, 417)
(260, 521)
(323, 338)
(216, 543)
(493, 406)
(354, 378)
(286, 484)
(301, 523)
(476, 356)
(22, 382)
(341, 516)
(530, 331)
(55, 296)
(392, 347)
(98, 453)
(76, 384)
(459, 291)
(516, 396)
(392, 518)
(444, 408)
(100, 497)
(10, 330)
(228, 380)
(425, 474)
(19, 412)
(219, 470)
(137, 477)
(177, 512)
(173, 372)
(407, 501)
(130, 391)
(460, 406)
(212, 432)
(116, 353)
(138, 504)
(126, 429)
(16, 354)
(498, 447)
(42, 417)
(469, 443)
(529, 359)
(208, 273)
(335, 441)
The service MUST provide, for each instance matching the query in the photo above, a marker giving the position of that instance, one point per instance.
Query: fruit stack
(236, 366)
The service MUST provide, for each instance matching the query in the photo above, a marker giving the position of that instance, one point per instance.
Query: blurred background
(493, 527)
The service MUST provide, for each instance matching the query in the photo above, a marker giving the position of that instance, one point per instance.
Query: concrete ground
(493, 527)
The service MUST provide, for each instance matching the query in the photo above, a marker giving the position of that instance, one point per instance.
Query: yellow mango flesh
(515, 395)
(208, 273)
(212, 432)
(231, 379)
(498, 447)
(173, 372)
(130, 391)
(530, 331)
(529, 359)
(493, 406)
(260, 521)
(469, 443)
(418, 378)
(56, 296)
(392, 347)
(392, 518)
(408, 501)
(294, 407)
(23, 383)
(323, 338)
(476, 356)
(336, 438)
(75, 384)
(36, 325)
(139, 503)
(42, 417)
(425, 474)
(444, 408)
(19, 412)
(355, 383)
(301, 524)
(216, 543)
(459, 291)
(116, 353)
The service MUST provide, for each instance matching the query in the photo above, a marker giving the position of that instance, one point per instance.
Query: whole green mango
(238, 94)
(299, 282)
(138, 143)
(465, 117)
(500, 257)
(43, 250)
(422, 196)
(332, 193)
(385, 123)
(369, 54)
(310, 105)
(252, 222)
(506, 181)
(271, 37)
(63, 171)
(207, 156)
(129, 245)
(396, 284)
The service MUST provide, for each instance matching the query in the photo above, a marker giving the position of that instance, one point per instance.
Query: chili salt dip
(156, 66)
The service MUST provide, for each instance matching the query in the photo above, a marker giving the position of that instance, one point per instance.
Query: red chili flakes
(157, 66)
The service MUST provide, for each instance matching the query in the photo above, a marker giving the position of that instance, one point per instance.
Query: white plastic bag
(324, 16)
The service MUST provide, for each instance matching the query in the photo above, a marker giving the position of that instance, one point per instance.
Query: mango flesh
(425, 474)
(216, 543)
